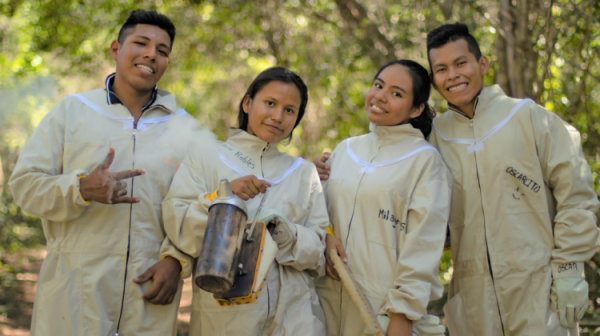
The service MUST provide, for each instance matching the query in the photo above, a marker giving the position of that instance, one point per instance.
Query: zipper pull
(471, 123)
(134, 130)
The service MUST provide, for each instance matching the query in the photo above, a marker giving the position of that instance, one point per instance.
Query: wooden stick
(356, 295)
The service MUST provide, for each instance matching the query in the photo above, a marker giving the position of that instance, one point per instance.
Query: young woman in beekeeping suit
(287, 305)
(388, 197)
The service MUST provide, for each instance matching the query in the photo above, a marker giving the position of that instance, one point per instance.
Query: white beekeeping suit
(523, 215)
(95, 250)
(287, 304)
(388, 198)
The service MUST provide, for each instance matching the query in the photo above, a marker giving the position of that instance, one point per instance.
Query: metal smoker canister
(227, 217)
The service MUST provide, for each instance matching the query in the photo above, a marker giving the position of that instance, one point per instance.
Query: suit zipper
(487, 248)
(128, 237)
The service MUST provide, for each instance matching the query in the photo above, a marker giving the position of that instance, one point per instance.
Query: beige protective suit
(95, 250)
(522, 213)
(388, 198)
(287, 304)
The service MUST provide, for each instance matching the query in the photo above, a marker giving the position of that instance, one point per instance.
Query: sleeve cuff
(567, 270)
(329, 231)
(180, 262)
(212, 196)
(80, 199)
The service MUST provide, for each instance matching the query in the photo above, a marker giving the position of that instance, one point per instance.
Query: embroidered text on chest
(385, 214)
(369, 167)
(241, 172)
(476, 145)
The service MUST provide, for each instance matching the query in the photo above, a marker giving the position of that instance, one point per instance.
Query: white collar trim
(127, 121)
(369, 167)
(476, 145)
(241, 172)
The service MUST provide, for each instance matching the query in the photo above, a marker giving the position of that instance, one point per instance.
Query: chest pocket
(294, 213)
(389, 220)
(523, 185)
(83, 155)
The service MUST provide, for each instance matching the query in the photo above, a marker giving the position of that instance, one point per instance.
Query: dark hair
(147, 17)
(279, 74)
(421, 89)
(451, 32)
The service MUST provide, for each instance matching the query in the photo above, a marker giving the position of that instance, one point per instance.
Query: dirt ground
(19, 325)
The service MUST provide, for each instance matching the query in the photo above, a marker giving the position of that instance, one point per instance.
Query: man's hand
(103, 186)
(165, 274)
(248, 186)
(332, 243)
(399, 325)
(322, 168)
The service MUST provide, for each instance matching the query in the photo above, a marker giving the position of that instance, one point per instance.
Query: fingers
(323, 157)
(108, 160)
(253, 189)
(162, 297)
(145, 276)
(261, 185)
(129, 173)
(153, 292)
(248, 187)
(331, 272)
(341, 252)
(571, 316)
(242, 196)
(322, 168)
(562, 313)
(171, 298)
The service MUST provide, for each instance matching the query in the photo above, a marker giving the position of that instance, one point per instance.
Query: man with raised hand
(522, 219)
(96, 170)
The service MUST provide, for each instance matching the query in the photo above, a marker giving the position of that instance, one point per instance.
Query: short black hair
(451, 32)
(421, 87)
(140, 16)
(279, 74)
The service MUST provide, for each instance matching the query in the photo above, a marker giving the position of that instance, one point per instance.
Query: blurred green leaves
(335, 45)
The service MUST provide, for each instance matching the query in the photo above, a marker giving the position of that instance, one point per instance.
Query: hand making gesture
(104, 186)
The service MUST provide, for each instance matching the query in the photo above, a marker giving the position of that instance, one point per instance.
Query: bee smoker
(227, 217)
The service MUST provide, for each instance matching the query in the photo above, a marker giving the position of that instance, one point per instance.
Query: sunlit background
(544, 49)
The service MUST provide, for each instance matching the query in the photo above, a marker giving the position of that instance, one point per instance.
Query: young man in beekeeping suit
(96, 170)
(522, 220)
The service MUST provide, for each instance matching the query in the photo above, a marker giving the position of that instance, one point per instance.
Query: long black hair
(421, 89)
(279, 74)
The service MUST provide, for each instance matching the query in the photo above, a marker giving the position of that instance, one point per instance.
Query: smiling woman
(286, 302)
(387, 194)
(273, 105)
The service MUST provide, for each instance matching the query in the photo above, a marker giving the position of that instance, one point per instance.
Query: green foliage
(23, 105)
(335, 45)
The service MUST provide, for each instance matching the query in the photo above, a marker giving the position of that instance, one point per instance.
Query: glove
(428, 325)
(284, 232)
(569, 298)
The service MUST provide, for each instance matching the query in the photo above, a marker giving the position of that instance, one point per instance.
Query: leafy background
(544, 49)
